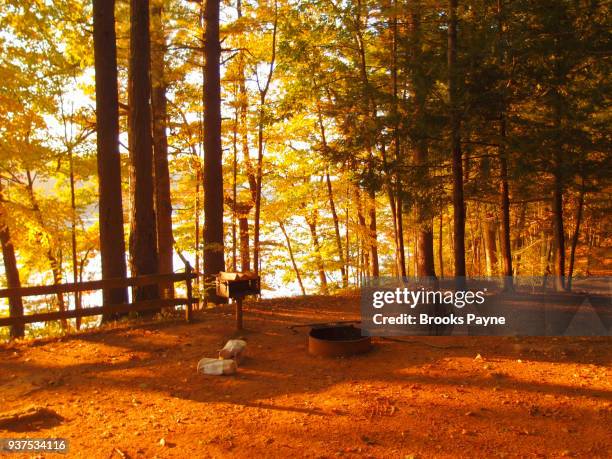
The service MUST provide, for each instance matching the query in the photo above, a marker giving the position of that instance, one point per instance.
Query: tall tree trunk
(263, 92)
(373, 237)
(73, 240)
(506, 248)
(425, 238)
(312, 224)
(332, 205)
(505, 207)
(112, 241)
(440, 245)
(242, 211)
(143, 225)
(455, 124)
(575, 236)
(214, 257)
(197, 214)
(163, 202)
(291, 256)
(490, 245)
(10, 269)
(370, 111)
(347, 236)
(398, 213)
(519, 239)
(558, 231)
(235, 188)
(391, 191)
(363, 236)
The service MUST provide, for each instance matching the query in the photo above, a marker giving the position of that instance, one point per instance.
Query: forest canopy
(316, 142)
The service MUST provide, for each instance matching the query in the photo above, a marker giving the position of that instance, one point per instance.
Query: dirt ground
(133, 391)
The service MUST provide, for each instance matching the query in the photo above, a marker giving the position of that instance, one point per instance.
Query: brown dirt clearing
(120, 391)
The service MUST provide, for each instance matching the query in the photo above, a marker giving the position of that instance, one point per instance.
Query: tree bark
(506, 247)
(312, 224)
(332, 205)
(558, 233)
(242, 211)
(234, 265)
(575, 236)
(143, 227)
(457, 166)
(112, 240)
(291, 256)
(398, 212)
(440, 245)
(73, 239)
(263, 92)
(363, 236)
(214, 257)
(373, 236)
(11, 270)
(490, 245)
(425, 238)
(505, 207)
(163, 202)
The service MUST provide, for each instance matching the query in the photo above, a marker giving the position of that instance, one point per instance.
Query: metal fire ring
(338, 341)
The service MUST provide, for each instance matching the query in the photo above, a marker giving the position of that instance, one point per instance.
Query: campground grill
(338, 341)
(236, 286)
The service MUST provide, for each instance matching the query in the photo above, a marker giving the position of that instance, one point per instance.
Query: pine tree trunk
(440, 245)
(506, 248)
(363, 236)
(263, 92)
(197, 214)
(505, 207)
(490, 235)
(398, 213)
(332, 205)
(242, 211)
(519, 240)
(163, 203)
(575, 236)
(373, 236)
(457, 166)
(112, 241)
(391, 190)
(291, 256)
(312, 224)
(10, 269)
(143, 225)
(73, 239)
(425, 239)
(214, 257)
(558, 234)
(259, 178)
(235, 190)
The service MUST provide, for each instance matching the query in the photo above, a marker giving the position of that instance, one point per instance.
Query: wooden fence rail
(139, 281)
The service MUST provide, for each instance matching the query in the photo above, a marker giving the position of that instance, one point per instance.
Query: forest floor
(133, 391)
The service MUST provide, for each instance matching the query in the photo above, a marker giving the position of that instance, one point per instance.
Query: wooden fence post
(189, 308)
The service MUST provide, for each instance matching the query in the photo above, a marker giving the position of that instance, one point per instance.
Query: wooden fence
(139, 281)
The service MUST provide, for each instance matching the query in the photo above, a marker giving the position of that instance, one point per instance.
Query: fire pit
(338, 341)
